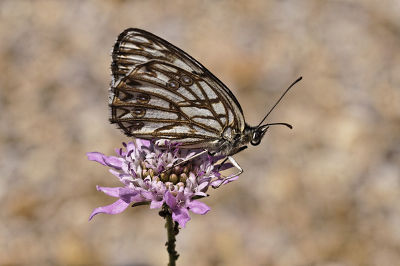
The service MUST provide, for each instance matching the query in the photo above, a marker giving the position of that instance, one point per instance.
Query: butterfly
(160, 92)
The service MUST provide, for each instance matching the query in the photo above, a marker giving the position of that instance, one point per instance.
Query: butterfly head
(259, 132)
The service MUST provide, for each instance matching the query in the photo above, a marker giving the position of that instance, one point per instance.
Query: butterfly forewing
(159, 91)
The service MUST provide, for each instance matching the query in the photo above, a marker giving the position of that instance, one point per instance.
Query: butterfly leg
(226, 158)
(187, 160)
(234, 163)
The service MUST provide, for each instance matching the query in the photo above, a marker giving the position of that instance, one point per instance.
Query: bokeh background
(325, 193)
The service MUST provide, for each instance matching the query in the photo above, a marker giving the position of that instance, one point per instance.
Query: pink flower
(140, 167)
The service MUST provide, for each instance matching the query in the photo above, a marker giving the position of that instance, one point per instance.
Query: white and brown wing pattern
(160, 92)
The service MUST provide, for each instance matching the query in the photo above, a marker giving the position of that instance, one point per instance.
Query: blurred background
(325, 193)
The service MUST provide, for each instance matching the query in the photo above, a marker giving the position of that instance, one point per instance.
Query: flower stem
(172, 231)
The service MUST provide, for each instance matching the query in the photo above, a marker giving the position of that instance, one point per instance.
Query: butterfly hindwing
(158, 91)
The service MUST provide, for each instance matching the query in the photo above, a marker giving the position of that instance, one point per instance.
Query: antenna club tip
(297, 80)
(290, 126)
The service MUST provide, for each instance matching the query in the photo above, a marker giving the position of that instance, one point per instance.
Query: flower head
(150, 174)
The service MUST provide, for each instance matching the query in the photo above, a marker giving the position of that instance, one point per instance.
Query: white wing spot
(230, 117)
(208, 122)
(194, 111)
(208, 90)
(218, 108)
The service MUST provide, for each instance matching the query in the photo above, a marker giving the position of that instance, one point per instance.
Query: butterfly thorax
(232, 142)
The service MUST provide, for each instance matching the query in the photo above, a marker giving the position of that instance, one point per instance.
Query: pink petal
(202, 186)
(147, 195)
(113, 161)
(156, 204)
(120, 152)
(124, 178)
(181, 215)
(230, 180)
(130, 195)
(218, 182)
(96, 156)
(143, 142)
(170, 200)
(201, 194)
(130, 146)
(110, 191)
(116, 173)
(198, 207)
(115, 208)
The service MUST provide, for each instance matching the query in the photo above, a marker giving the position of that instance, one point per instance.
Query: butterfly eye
(256, 139)
(172, 84)
(143, 98)
(186, 80)
(138, 112)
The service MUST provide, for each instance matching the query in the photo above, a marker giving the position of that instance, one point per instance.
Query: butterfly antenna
(273, 107)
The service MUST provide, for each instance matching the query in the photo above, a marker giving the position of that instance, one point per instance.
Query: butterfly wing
(160, 92)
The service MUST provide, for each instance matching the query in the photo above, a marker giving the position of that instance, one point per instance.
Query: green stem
(172, 231)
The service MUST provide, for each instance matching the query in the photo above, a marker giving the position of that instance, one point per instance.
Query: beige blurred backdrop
(325, 193)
